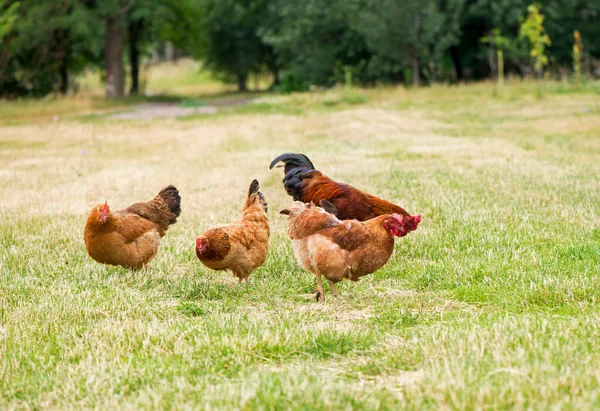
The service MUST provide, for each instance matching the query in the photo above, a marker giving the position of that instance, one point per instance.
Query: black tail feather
(293, 160)
(293, 182)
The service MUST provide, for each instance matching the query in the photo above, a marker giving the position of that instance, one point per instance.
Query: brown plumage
(130, 237)
(306, 184)
(336, 249)
(240, 247)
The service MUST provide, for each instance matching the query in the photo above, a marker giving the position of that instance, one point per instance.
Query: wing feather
(132, 226)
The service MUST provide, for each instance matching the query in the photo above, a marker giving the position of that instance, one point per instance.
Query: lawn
(492, 303)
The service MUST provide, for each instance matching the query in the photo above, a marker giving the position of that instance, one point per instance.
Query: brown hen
(240, 247)
(336, 249)
(131, 237)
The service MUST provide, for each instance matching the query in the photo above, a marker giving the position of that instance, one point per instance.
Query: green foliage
(313, 37)
(47, 43)
(291, 83)
(496, 40)
(177, 21)
(46, 38)
(533, 30)
(233, 47)
(8, 17)
(398, 33)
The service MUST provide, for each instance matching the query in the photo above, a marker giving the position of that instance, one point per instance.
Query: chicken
(130, 237)
(336, 249)
(306, 184)
(240, 247)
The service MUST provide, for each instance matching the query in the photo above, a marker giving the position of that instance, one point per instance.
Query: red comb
(105, 207)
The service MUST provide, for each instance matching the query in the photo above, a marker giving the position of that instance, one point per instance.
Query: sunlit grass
(492, 303)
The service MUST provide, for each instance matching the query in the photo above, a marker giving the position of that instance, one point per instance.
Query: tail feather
(162, 209)
(294, 184)
(254, 186)
(263, 201)
(253, 191)
(291, 161)
(297, 167)
(170, 196)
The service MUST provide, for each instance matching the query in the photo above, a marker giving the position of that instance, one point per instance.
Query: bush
(290, 84)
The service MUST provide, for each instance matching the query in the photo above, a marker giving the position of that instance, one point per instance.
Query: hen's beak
(200, 246)
(103, 218)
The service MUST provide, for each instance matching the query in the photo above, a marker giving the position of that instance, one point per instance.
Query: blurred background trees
(46, 44)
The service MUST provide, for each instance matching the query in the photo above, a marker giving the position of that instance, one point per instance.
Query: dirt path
(148, 111)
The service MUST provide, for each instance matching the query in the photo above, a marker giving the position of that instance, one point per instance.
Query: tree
(312, 38)
(8, 17)
(533, 30)
(233, 47)
(113, 14)
(153, 21)
(46, 43)
(498, 43)
(410, 33)
(137, 22)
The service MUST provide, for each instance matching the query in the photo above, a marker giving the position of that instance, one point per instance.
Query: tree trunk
(135, 29)
(64, 73)
(273, 67)
(62, 54)
(587, 64)
(169, 51)
(416, 71)
(416, 66)
(155, 59)
(242, 80)
(456, 61)
(500, 55)
(276, 79)
(113, 53)
(256, 81)
(492, 57)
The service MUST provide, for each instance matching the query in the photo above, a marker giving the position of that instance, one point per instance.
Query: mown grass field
(492, 303)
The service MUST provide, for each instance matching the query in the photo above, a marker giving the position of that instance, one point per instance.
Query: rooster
(240, 247)
(335, 249)
(130, 237)
(306, 184)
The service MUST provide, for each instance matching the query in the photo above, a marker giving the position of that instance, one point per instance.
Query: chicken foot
(241, 276)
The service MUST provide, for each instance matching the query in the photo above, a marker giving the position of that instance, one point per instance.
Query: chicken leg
(320, 290)
(333, 288)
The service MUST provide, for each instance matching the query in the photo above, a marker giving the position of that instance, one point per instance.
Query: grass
(492, 303)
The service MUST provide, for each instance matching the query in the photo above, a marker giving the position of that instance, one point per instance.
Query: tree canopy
(45, 44)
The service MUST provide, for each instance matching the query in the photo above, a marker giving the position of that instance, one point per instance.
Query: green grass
(492, 303)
